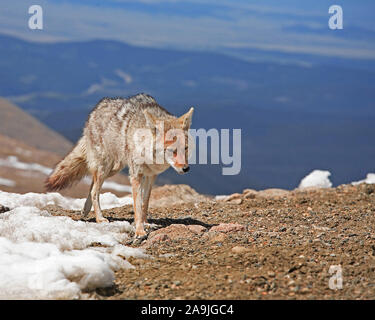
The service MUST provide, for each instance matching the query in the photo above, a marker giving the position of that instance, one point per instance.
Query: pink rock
(228, 227)
(214, 237)
(174, 232)
(158, 238)
(197, 229)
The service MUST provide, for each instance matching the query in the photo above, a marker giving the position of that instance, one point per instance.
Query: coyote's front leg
(141, 189)
(146, 186)
(136, 182)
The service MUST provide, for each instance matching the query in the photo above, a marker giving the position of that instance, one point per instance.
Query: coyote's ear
(185, 119)
(150, 118)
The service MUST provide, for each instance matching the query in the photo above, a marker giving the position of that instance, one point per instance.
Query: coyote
(107, 146)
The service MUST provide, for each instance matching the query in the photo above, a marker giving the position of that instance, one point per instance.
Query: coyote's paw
(140, 230)
(139, 239)
(152, 227)
(101, 220)
(84, 213)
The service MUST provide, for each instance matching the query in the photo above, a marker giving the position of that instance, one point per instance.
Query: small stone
(249, 193)
(239, 249)
(228, 227)
(250, 196)
(245, 191)
(3, 209)
(158, 238)
(174, 232)
(214, 237)
(236, 201)
(273, 193)
(295, 289)
(305, 290)
(233, 197)
(274, 235)
(197, 229)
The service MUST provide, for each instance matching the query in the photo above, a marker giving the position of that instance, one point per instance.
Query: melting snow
(48, 257)
(116, 186)
(107, 200)
(7, 182)
(317, 178)
(13, 162)
(370, 179)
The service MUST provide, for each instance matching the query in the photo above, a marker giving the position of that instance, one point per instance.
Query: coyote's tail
(71, 169)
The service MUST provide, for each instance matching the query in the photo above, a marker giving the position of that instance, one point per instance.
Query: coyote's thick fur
(108, 145)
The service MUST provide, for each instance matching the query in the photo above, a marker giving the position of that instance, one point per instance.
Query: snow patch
(7, 182)
(12, 162)
(221, 197)
(317, 178)
(116, 186)
(107, 200)
(48, 257)
(370, 179)
(23, 152)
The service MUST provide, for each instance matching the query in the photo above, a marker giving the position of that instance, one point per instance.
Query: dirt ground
(275, 246)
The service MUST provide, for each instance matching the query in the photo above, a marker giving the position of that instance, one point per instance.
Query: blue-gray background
(303, 95)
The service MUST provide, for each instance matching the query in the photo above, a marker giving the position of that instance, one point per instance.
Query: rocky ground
(271, 244)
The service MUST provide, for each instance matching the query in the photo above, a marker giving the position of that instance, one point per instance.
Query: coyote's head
(173, 144)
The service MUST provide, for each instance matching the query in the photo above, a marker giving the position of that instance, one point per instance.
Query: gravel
(277, 247)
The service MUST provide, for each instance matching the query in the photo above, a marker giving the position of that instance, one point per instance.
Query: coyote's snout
(134, 132)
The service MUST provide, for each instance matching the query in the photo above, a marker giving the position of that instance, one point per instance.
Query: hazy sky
(283, 25)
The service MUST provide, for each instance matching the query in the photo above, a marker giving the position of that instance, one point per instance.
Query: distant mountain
(18, 124)
(296, 116)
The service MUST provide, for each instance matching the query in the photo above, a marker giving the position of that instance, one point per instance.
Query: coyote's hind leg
(97, 179)
(88, 204)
